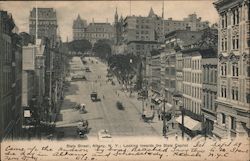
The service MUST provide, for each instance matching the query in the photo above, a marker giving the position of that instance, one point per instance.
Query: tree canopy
(102, 48)
(80, 45)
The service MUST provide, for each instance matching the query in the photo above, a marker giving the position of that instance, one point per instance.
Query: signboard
(27, 113)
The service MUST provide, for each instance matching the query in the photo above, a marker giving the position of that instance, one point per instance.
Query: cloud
(101, 10)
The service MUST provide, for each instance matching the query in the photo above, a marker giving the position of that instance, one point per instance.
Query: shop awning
(189, 123)
(153, 96)
(157, 99)
(168, 106)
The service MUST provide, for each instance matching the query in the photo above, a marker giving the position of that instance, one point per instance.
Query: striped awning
(189, 123)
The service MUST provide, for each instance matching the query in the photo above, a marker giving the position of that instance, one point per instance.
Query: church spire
(78, 17)
(116, 15)
(151, 12)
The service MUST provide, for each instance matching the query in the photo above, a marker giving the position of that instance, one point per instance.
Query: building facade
(142, 48)
(233, 69)
(33, 74)
(153, 27)
(173, 65)
(209, 91)
(46, 20)
(99, 31)
(79, 26)
(10, 79)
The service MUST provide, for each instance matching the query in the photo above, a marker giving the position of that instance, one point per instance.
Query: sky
(103, 11)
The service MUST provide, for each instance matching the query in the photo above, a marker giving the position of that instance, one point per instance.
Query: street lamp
(182, 120)
(164, 130)
(130, 83)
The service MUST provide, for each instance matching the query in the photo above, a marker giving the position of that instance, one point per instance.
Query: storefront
(189, 126)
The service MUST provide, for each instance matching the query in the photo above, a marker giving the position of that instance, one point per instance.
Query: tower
(116, 16)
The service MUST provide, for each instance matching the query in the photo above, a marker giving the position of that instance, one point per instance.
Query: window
(224, 20)
(248, 97)
(233, 123)
(235, 69)
(211, 73)
(223, 69)
(235, 16)
(215, 74)
(248, 71)
(235, 42)
(223, 91)
(225, 46)
(223, 119)
(235, 93)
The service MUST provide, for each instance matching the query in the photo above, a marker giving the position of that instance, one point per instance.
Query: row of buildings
(204, 75)
(31, 74)
(133, 30)
(10, 78)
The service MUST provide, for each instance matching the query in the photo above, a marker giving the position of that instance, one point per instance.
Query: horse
(148, 119)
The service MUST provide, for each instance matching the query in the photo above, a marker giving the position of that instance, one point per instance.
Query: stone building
(209, 90)
(233, 69)
(172, 79)
(46, 19)
(98, 31)
(10, 79)
(138, 28)
(151, 27)
(142, 48)
(79, 26)
(193, 53)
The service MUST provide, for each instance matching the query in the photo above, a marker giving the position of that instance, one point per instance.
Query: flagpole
(36, 22)
(163, 25)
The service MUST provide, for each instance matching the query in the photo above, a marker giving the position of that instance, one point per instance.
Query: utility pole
(182, 121)
(130, 7)
(164, 118)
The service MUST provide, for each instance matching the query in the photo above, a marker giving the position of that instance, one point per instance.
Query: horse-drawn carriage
(82, 128)
(81, 108)
(148, 116)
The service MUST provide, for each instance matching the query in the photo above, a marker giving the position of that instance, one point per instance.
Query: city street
(103, 114)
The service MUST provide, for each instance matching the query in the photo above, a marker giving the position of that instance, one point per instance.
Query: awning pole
(182, 122)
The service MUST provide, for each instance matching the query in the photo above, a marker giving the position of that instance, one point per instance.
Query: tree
(80, 45)
(26, 38)
(102, 48)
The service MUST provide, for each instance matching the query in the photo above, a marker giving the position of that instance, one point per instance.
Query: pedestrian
(159, 117)
(164, 131)
(176, 136)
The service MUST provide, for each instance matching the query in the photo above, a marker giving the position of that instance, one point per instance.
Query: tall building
(46, 24)
(233, 99)
(137, 28)
(10, 79)
(152, 28)
(79, 26)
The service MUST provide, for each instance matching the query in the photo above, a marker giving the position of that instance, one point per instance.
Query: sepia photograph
(124, 80)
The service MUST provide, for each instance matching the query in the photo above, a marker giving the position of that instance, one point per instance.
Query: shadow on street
(72, 89)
